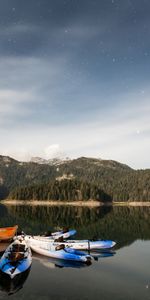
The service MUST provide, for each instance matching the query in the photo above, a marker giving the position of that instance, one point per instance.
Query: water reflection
(98, 254)
(3, 246)
(52, 263)
(12, 286)
(121, 224)
(125, 275)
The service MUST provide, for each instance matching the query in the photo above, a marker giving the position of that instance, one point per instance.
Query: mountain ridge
(105, 177)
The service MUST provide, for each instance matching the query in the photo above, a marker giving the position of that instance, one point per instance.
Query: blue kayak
(76, 244)
(16, 259)
(60, 252)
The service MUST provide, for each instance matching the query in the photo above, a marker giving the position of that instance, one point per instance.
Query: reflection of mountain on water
(121, 224)
(47, 217)
(127, 224)
(3, 211)
(6, 219)
(12, 286)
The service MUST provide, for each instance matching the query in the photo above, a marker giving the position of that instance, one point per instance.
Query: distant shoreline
(91, 203)
(53, 203)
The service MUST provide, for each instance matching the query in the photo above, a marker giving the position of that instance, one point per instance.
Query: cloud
(39, 107)
(20, 152)
(53, 151)
(10, 99)
(29, 87)
(71, 77)
(109, 136)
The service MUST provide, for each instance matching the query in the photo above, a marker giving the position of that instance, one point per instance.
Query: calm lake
(121, 274)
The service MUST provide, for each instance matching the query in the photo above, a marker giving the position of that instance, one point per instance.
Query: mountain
(52, 162)
(77, 179)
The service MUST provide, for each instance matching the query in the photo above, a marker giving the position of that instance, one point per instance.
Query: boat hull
(51, 250)
(78, 244)
(7, 233)
(13, 262)
(58, 234)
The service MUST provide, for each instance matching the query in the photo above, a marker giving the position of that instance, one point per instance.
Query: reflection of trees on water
(3, 211)
(6, 218)
(122, 224)
(41, 218)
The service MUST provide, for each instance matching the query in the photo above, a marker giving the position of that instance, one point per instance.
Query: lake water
(121, 275)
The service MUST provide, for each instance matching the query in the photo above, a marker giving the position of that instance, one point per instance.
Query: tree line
(93, 179)
(64, 190)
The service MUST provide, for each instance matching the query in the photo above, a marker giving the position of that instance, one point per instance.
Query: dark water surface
(121, 275)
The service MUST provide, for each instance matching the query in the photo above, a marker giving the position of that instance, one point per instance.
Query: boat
(16, 259)
(77, 244)
(60, 252)
(65, 233)
(7, 233)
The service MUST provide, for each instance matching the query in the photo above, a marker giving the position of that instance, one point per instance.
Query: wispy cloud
(123, 135)
(10, 101)
(75, 77)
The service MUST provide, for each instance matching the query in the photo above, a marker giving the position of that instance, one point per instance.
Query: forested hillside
(79, 179)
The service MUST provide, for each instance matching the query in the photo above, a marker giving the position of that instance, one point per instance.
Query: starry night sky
(74, 79)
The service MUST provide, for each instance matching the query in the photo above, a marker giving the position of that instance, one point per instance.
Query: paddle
(89, 247)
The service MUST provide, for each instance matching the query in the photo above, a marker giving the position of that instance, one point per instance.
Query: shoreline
(91, 203)
(52, 203)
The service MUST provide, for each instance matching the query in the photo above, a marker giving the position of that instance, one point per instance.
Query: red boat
(7, 233)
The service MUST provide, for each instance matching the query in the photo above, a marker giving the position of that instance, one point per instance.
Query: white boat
(57, 251)
(76, 244)
(66, 233)
(16, 259)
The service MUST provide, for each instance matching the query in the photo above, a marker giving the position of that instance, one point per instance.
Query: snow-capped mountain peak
(53, 161)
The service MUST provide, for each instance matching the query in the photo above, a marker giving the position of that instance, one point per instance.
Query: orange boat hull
(7, 233)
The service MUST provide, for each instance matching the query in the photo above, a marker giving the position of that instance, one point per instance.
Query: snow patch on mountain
(52, 162)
